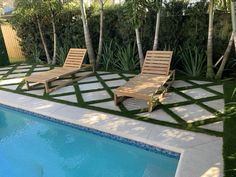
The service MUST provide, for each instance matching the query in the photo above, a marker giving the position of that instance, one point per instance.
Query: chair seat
(142, 86)
(51, 75)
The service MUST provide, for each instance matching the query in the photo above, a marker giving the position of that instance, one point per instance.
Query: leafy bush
(108, 56)
(127, 59)
(121, 58)
(181, 25)
(193, 61)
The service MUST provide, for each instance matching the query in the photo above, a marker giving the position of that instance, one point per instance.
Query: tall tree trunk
(226, 57)
(139, 45)
(210, 72)
(43, 41)
(233, 19)
(155, 42)
(54, 33)
(54, 42)
(88, 40)
(99, 55)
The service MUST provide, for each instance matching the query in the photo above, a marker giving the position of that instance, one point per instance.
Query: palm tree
(210, 72)
(225, 57)
(136, 10)
(100, 33)
(87, 37)
(139, 46)
(158, 18)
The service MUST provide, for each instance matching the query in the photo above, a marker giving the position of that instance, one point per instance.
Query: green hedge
(177, 30)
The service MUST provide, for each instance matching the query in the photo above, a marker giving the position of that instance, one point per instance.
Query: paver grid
(193, 102)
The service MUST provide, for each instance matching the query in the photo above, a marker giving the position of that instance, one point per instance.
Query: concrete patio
(189, 101)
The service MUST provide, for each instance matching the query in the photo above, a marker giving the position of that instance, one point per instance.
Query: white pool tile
(91, 86)
(16, 75)
(5, 68)
(24, 66)
(38, 92)
(192, 112)
(172, 97)
(179, 138)
(69, 98)
(217, 126)
(208, 154)
(110, 76)
(133, 104)
(11, 81)
(11, 87)
(66, 89)
(159, 115)
(107, 105)
(97, 95)
(180, 83)
(42, 69)
(129, 75)
(218, 88)
(3, 72)
(218, 104)
(198, 93)
(103, 72)
(20, 70)
(201, 82)
(88, 79)
(116, 83)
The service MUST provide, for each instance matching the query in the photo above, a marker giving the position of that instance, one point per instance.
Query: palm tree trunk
(155, 43)
(139, 45)
(99, 55)
(54, 33)
(88, 40)
(226, 57)
(54, 42)
(210, 72)
(43, 41)
(233, 19)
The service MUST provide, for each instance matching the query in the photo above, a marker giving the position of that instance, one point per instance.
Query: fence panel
(12, 44)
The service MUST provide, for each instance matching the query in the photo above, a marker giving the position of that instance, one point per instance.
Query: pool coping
(184, 167)
(141, 145)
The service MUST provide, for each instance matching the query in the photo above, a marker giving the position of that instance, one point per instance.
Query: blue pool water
(34, 147)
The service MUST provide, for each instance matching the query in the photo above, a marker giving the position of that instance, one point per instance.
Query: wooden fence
(12, 44)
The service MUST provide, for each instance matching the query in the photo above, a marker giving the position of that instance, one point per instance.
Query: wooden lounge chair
(72, 65)
(151, 84)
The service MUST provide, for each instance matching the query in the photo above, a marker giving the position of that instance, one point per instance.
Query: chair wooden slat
(150, 84)
(72, 65)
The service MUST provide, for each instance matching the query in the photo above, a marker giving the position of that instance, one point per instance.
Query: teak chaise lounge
(72, 65)
(151, 84)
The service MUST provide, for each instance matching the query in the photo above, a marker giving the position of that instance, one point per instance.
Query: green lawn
(229, 147)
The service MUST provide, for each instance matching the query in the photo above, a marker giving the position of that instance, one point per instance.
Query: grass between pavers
(229, 138)
(181, 124)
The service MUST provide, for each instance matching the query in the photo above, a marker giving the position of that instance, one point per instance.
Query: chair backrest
(157, 62)
(75, 58)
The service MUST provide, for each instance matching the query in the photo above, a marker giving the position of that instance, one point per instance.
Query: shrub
(193, 61)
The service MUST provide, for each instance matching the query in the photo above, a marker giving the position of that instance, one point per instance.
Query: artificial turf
(229, 137)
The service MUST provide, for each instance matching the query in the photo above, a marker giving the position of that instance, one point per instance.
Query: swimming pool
(31, 147)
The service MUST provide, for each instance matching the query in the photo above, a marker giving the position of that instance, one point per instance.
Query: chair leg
(47, 90)
(150, 105)
(27, 85)
(115, 99)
